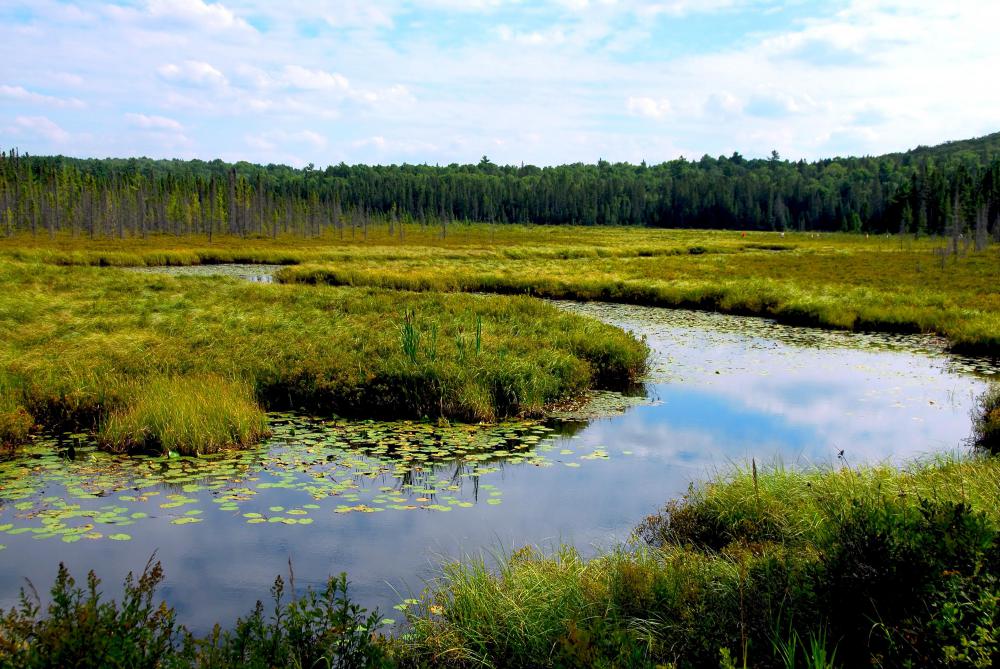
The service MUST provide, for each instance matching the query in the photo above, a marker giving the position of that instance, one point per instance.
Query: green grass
(15, 421)
(828, 280)
(191, 414)
(884, 566)
(81, 345)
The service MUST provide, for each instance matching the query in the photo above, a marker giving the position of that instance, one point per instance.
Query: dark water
(387, 501)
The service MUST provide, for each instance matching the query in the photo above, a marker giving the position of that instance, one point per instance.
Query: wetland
(387, 501)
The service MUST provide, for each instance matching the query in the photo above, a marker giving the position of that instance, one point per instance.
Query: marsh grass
(15, 421)
(82, 344)
(193, 414)
(829, 280)
(835, 567)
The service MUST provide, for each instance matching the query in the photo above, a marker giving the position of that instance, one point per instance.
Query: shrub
(79, 630)
(318, 630)
(986, 421)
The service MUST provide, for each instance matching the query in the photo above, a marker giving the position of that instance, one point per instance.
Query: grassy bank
(189, 362)
(830, 280)
(835, 568)
(838, 568)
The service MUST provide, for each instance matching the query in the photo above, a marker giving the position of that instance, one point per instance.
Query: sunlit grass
(741, 566)
(829, 280)
(81, 342)
(192, 414)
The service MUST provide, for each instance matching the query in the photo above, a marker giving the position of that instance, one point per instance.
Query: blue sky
(444, 81)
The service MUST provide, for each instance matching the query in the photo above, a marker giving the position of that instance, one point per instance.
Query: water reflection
(385, 502)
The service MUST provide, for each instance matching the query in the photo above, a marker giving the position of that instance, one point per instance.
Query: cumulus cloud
(22, 94)
(196, 13)
(38, 126)
(192, 73)
(655, 108)
(152, 122)
(296, 76)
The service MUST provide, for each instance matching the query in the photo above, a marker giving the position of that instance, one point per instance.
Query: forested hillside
(947, 189)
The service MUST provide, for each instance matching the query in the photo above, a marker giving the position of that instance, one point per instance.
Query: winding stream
(385, 502)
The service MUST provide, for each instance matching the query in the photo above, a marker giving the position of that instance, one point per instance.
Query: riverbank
(123, 354)
(838, 567)
(776, 568)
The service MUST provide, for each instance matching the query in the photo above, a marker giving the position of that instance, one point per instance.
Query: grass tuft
(189, 415)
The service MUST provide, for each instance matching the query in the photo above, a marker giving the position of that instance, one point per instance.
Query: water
(252, 273)
(387, 501)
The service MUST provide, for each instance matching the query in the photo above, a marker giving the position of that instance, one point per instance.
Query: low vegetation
(183, 413)
(986, 421)
(777, 568)
(896, 284)
(78, 628)
(773, 569)
(187, 363)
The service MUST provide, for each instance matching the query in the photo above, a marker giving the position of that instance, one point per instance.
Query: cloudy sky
(544, 82)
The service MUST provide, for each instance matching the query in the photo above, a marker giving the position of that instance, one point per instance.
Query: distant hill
(985, 148)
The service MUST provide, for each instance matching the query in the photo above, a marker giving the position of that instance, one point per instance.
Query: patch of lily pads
(64, 487)
(682, 335)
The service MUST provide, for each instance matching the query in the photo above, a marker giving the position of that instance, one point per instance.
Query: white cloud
(152, 122)
(296, 76)
(22, 94)
(38, 126)
(195, 13)
(655, 108)
(192, 73)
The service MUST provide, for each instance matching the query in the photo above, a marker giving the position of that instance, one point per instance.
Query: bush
(914, 584)
(986, 421)
(79, 630)
(320, 629)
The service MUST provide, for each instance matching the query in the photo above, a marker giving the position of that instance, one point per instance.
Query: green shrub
(914, 584)
(80, 630)
(986, 421)
(318, 630)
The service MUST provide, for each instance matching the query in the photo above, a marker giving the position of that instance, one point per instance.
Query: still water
(386, 502)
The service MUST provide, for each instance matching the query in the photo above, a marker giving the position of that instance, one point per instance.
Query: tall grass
(816, 569)
(82, 344)
(190, 415)
(15, 421)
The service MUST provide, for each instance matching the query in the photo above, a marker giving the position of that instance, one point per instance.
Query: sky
(443, 81)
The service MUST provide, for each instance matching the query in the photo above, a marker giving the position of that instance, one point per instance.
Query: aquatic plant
(193, 414)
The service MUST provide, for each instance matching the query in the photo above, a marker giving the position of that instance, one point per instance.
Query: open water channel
(387, 501)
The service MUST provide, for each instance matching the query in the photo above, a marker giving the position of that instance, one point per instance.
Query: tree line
(952, 189)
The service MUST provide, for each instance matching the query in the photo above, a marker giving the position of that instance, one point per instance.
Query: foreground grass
(829, 280)
(189, 362)
(851, 568)
(836, 568)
